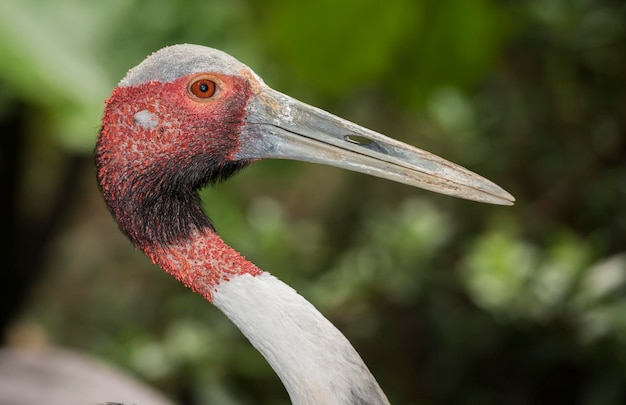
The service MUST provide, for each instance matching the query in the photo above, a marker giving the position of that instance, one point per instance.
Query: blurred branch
(25, 247)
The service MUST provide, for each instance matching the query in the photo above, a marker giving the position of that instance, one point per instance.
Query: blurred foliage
(447, 301)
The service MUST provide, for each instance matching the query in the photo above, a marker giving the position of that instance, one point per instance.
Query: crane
(61, 376)
(188, 116)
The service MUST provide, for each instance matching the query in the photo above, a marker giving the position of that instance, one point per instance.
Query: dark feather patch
(162, 206)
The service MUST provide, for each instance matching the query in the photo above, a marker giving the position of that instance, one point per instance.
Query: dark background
(448, 301)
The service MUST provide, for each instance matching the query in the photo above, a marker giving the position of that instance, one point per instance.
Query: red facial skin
(149, 171)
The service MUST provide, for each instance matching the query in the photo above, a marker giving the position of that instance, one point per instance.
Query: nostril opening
(359, 140)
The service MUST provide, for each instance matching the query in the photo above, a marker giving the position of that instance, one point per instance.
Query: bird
(63, 376)
(189, 116)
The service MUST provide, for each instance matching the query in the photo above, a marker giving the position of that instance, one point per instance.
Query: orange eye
(203, 88)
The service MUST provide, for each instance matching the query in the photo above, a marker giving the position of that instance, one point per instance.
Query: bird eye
(202, 88)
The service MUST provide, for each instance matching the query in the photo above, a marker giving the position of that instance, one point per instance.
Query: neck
(202, 261)
(315, 362)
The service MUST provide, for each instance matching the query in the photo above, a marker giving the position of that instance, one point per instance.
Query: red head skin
(150, 166)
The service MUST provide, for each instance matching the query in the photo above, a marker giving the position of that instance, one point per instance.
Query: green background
(448, 301)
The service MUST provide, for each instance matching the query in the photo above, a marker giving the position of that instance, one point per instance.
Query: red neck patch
(202, 262)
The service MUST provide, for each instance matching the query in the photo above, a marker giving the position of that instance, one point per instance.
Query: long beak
(278, 126)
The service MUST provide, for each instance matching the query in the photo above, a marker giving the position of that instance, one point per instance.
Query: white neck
(315, 362)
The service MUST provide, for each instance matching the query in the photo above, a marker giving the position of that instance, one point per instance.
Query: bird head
(189, 115)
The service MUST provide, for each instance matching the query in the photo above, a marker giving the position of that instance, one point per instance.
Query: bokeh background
(448, 301)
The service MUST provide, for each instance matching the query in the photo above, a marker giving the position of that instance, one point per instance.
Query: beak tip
(490, 193)
(504, 198)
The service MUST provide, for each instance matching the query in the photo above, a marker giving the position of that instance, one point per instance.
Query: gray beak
(280, 127)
